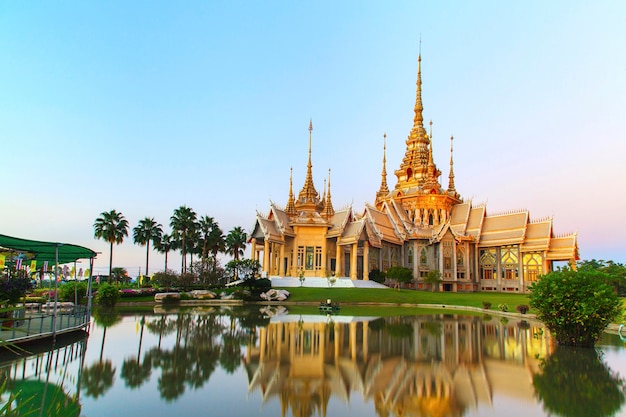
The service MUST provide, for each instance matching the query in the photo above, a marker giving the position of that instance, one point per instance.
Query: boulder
(162, 296)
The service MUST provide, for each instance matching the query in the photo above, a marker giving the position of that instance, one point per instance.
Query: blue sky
(145, 106)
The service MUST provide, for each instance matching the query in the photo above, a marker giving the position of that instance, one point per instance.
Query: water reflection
(576, 382)
(267, 362)
(438, 365)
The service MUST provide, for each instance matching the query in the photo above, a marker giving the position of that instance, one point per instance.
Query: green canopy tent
(46, 251)
(54, 253)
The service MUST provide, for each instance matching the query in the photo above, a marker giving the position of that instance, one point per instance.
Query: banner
(2, 258)
(45, 266)
(18, 264)
(33, 265)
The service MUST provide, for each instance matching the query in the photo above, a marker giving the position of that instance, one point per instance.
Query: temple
(418, 224)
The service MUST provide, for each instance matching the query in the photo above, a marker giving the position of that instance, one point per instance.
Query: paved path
(319, 282)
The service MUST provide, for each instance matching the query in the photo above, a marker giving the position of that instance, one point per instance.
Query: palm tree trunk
(147, 256)
(110, 262)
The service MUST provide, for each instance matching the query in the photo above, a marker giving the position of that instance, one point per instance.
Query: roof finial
(451, 176)
(290, 209)
(384, 189)
(329, 211)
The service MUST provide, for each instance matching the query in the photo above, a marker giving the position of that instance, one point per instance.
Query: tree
(616, 272)
(246, 269)
(433, 278)
(182, 222)
(111, 227)
(236, 242)
(206, 224)
(216, 244)
(146, 231)
(400, 274)
(575, 305)
(120, 275)
(164, 245)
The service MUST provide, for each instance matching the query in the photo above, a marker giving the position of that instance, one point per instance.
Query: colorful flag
(80, 272)
(33, 265)
(18, 264)
(2, 258)
(45, 266)
(87, 272)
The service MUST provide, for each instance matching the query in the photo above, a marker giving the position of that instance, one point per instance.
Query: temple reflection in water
(429, 365)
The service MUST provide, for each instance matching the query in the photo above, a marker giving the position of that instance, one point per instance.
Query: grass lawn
(401, 297)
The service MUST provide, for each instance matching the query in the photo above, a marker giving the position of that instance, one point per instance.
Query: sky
(146, 106)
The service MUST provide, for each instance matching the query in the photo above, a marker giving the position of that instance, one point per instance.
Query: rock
(160, 297)
(202, 294)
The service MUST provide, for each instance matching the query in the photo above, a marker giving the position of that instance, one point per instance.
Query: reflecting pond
(266, 362)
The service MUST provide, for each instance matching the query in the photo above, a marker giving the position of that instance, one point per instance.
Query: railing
(35, 322)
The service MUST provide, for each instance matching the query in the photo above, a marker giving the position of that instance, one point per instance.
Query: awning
(45, 251)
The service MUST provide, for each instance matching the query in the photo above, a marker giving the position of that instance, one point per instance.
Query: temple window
(423, 257)
(488, 263)
(318, 258)
(533, 266)
(509, 260)
(460, 257)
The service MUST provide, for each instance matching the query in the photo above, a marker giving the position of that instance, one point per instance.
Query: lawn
(404, 297)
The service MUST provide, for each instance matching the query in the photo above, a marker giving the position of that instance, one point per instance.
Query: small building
(418, 224)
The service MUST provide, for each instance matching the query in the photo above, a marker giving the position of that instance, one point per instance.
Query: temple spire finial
(384, 189)
(290, 208)
(451, 188)
(329, 211)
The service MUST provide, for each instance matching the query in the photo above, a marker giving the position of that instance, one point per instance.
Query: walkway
(343, 282)
(31, 325)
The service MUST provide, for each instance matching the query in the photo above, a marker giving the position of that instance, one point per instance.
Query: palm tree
(146, 231)
(111, 227)
(206, 224)
(236, 242)
(164, 245)
(182, 222)
(216, 244)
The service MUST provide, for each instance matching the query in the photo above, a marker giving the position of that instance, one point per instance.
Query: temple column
(353, 260)
(339, 266)
(253, 251)
(281, 261)
(366, 261)
(266, 257)
(325, 268)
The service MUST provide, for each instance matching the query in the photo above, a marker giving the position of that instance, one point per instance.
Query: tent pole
(56, 290)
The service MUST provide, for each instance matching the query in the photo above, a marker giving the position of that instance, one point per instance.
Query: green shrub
(107, 295)
(523, 308)
(575, 305)
(67, 292)
(486, 305)
(377, 275)
(503, 307)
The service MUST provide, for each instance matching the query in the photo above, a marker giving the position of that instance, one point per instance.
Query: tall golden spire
(308, 196)
(291, 208)
(414, 167)
(384, 189)
(451, 188)
(329, 211)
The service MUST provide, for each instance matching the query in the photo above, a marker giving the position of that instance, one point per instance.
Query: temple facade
(419, 224)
